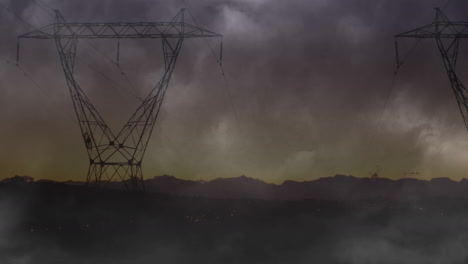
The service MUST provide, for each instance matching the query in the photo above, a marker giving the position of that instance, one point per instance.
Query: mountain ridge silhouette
(338, 187)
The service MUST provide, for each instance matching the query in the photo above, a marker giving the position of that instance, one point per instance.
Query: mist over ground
(60, 223)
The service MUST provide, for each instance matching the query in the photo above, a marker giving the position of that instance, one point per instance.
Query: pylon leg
(130, 175)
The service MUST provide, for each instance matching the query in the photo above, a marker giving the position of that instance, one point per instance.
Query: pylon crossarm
(121, 31)
(445, 30)
(442, 27)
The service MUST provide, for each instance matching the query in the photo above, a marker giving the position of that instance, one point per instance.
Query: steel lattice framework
(447, 35)
(118, 155)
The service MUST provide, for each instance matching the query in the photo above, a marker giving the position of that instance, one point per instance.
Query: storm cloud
(309, 91)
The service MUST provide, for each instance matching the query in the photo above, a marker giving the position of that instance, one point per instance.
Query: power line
(29, 76)
(387, 99)
(16, 15)
(113, 83)
(399, 62)
(68, 118)
(129, 82)
(41, 7)
(86, 42)
(44, 3)
(115, 63)
(218, 59)
(446, 5)
(219, 62)
(31, 79)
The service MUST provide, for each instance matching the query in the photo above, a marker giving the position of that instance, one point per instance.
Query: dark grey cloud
(307, 93)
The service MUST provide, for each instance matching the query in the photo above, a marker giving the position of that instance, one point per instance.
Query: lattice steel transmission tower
(447, 35)
(118, 155)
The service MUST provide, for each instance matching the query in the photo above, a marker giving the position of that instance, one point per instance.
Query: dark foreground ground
(53, 223)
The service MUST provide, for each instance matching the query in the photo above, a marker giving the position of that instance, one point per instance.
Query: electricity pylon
(120, 154)
(447, 35)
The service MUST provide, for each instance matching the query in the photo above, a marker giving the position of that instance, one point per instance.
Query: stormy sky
(309, 91)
